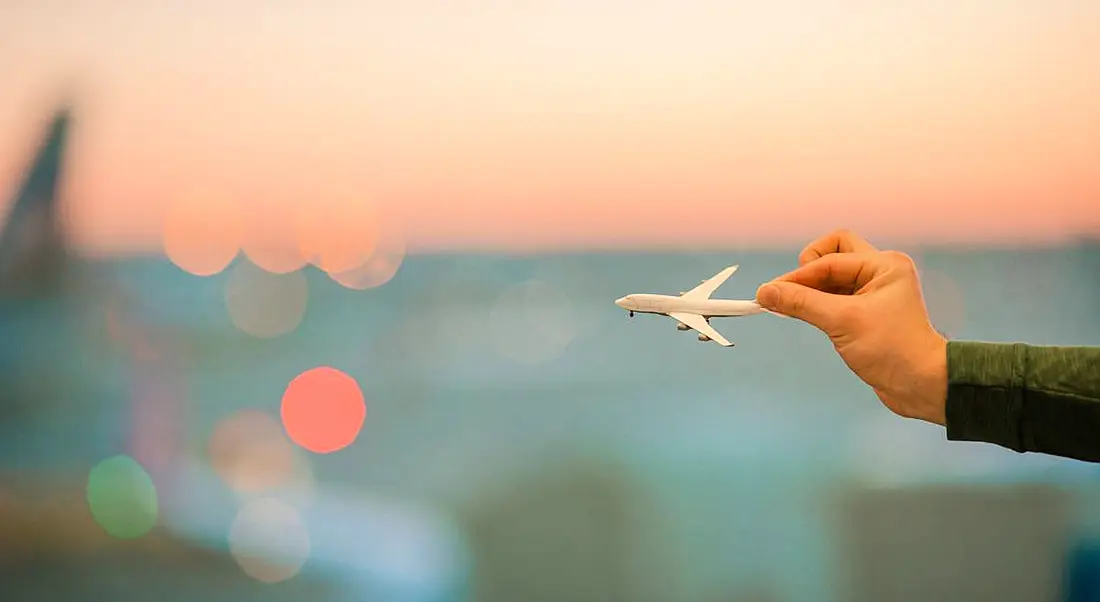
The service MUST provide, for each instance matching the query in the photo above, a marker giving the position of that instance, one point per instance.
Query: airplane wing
(707, 288)
(700, 323)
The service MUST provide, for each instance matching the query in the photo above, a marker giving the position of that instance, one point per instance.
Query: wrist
(931, 387)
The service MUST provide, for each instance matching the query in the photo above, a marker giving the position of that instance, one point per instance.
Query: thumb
(810, 305)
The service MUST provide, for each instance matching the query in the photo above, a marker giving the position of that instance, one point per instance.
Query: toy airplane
(694, 309)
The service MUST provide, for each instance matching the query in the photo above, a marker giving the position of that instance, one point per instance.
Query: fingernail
(768, 296)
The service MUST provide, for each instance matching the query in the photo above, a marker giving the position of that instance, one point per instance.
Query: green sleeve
(1025, 397)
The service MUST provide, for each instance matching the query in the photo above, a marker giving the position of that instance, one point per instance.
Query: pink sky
(557, 124)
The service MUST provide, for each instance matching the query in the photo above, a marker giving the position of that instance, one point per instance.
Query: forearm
(1025, 397)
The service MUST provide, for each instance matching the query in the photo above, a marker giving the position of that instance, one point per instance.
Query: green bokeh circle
(122, 497)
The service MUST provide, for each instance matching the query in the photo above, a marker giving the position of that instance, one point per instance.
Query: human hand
(869, 303)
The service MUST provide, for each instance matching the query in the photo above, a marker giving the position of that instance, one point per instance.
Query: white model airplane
(694, 309)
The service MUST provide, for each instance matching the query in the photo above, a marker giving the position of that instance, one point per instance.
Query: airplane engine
(682, 326)
(703, 337)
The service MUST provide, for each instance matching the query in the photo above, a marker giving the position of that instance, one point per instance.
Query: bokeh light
(577, 281)
(122, 497)
(202, 233)
(264, 304)
(382, 264)
(532, 322)
(323, 410)
(250, 452)
(270, 241)
(268, 540)
(338, 238)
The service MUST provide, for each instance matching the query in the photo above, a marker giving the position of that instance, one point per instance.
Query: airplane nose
(621, 302)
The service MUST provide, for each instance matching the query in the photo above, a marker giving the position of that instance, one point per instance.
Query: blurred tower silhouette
(32, 247)
(33, 257)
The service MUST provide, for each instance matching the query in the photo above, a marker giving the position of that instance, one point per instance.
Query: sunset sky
(568, 124)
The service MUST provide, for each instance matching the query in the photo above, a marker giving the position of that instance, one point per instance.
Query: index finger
(838, 273)
(838, 241)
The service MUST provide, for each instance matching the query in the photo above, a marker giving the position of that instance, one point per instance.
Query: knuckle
(833, 267)
(796, 300)
(898, 259)
(901, 260)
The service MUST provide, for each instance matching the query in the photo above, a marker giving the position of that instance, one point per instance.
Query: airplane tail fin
(32, 247)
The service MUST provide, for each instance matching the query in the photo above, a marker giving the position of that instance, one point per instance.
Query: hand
(870, 305)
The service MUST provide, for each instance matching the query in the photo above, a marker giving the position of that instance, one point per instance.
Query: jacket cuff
(985, 391)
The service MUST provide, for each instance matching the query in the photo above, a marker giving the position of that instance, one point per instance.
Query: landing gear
(631, 314)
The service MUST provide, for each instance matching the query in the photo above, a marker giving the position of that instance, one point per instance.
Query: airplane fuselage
(644, 303)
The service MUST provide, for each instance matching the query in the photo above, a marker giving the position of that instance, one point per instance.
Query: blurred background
(315, 300)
